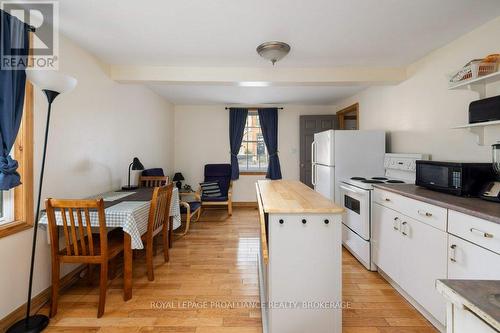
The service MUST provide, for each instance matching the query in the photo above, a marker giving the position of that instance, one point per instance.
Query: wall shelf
(478, 129)
(478, 84)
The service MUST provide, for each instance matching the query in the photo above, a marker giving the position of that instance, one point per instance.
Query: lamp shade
(178, 176)
(137, 165)
(51, 80)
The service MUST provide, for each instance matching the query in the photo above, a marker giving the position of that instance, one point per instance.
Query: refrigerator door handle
(313, 144)
(313, 175)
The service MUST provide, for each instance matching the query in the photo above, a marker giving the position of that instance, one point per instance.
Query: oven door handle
(352, 189)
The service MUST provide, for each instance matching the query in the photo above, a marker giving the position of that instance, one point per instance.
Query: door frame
(343, 115)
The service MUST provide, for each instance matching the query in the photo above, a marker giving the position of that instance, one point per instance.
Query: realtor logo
(43, 18)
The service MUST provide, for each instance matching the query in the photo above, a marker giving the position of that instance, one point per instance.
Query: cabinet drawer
(432, 215)
(481, 232)
(471, 262)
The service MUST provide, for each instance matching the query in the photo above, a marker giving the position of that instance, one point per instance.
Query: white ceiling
(226, 32)
(212, 94)
(322, 33)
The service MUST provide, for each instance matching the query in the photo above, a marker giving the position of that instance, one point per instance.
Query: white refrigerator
(341, 154)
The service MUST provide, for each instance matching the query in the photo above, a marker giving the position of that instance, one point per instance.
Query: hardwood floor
(210, 285)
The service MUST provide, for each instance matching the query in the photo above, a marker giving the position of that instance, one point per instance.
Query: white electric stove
(356, 198)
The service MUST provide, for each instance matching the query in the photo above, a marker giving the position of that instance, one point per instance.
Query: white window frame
(7, 207)
(243, 142)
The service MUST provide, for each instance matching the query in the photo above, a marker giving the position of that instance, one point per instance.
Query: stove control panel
(402, 166)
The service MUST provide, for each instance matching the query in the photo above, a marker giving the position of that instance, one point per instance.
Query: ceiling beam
(277, 76)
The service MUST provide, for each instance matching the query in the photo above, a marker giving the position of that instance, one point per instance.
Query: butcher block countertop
(292, 196)
(482, 209)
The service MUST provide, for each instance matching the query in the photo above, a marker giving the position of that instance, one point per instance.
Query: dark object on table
(187, 189)
(178, 178)
(463, 179)
(220, 173)
(135, 165)
(483, 110)
(153, 172)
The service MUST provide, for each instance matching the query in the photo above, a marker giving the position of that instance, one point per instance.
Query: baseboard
(40, 300)
(245, 204)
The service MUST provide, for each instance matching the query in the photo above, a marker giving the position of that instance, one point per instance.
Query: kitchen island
(300, 264)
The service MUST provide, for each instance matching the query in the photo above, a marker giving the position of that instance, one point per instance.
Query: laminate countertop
(482, 209)
(482, 297)
(292, 196)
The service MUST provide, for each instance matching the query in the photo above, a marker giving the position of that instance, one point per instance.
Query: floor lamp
(52, 83)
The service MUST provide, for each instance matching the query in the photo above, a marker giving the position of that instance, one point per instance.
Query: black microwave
(464, 179)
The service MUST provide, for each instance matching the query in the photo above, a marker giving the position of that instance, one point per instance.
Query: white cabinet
(423, 252)
(478, 231)
(416, 243)
(430, 214)
(469, 261)
(413, 254)
(464, 321)
(386, 240)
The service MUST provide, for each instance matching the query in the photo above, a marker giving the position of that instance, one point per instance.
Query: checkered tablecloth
(131, 216)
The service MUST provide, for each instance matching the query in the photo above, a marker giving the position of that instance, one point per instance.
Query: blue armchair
(222, 174)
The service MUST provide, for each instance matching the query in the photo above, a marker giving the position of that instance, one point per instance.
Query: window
(6, 207)
(253, 157)
(16, 205)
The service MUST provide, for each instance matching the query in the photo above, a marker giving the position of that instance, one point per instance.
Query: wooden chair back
(76, 227)
(153, 181)
(159, 211)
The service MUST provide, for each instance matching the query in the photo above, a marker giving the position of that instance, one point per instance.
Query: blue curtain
(14, 45)
(237, 120)
(269, 123)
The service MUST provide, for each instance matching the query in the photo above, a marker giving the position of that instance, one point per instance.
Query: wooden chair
(158, 221)
(153, 181)
(81, 245)
(222, 174)
(188, 210)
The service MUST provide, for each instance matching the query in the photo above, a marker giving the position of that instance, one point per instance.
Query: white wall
(420, 112)
(202, 137)
(95, 132)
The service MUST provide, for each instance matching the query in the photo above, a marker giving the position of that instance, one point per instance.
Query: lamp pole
(36, 323)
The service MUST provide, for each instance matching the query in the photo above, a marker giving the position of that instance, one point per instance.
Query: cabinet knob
(327, 221)
(304, 221)
(281, 221)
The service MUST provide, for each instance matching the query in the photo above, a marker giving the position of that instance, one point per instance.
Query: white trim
(8, 207)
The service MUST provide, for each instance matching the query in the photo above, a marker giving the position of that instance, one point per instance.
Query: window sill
(13, 227)
(253, 173)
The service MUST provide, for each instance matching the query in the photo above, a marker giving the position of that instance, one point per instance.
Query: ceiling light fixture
(273, 51)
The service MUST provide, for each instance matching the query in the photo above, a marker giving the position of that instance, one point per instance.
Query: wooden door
(308, 126)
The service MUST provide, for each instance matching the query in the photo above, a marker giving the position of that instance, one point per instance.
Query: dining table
(128, 210)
